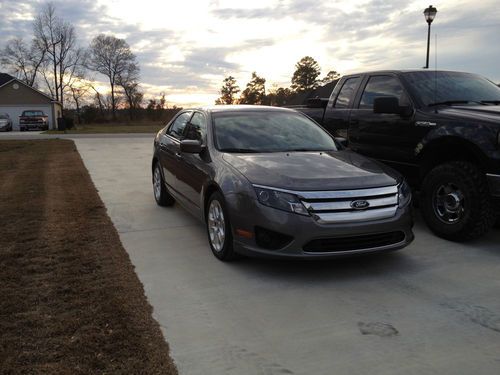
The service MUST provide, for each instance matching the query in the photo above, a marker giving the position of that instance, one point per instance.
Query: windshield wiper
(452, 102)
(495, 102)
(240, 150)
(305, 150)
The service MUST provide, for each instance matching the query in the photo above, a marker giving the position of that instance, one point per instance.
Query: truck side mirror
(386, 104)
(342, 141)
(317, 103)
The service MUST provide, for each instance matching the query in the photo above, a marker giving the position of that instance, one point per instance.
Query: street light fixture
(430, 14)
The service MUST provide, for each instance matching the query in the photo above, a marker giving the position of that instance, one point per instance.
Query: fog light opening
(271, 240)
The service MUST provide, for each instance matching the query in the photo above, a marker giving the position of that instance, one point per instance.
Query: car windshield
(269, 131)
(3, 117)
(452, 88)
(32, 113)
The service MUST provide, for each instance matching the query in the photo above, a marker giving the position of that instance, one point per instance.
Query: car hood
(306, 171)
(488, 113)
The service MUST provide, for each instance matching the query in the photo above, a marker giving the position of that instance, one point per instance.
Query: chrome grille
(331, 207)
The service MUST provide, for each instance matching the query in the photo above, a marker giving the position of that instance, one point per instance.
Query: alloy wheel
(157, 183)
(216, 225)
(449, 203)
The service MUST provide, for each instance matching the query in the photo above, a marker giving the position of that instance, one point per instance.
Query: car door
(170, 153)
(196, 167)
(388, 137)
(336, 119)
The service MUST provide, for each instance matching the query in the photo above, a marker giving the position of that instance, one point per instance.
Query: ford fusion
(271, 182)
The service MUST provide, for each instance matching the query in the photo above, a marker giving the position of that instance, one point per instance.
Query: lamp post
(430, 14)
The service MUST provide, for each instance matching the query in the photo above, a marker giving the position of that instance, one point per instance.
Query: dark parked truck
(440, 129)
(33, 119)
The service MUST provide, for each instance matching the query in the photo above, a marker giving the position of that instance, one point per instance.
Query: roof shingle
(4, 78)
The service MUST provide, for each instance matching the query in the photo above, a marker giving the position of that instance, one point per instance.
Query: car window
(197, 129)
(378, 86)
(346, 94)
(176, 130)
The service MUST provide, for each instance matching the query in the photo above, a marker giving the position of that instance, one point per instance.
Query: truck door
(336, 119)
(387, 137)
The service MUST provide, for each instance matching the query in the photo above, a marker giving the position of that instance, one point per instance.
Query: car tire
(160, 192)
(455, 201)
(219, 229)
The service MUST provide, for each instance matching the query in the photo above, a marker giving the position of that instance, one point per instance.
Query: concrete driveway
(433, 308)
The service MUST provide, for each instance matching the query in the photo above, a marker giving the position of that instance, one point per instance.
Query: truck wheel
(455, 201)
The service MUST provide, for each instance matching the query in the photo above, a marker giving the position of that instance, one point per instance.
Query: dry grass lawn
(70, 301)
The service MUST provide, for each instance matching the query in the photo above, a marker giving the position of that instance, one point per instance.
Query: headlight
(280, 200)
(404, 194)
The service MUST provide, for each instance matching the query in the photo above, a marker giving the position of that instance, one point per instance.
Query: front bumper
(34, 126)
(306, 231)
(494, 184)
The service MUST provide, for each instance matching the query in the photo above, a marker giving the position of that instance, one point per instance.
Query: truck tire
(455, 201)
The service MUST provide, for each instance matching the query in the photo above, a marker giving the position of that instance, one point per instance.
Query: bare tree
(111, 57)
(99, 99)
(22, 60)
(47, 38)
(129, 82)
(56, 39)
(78, 89)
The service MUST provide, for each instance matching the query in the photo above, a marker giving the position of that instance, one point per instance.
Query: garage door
(15, 111)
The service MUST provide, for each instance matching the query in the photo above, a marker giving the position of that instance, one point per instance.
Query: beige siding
(22, 95)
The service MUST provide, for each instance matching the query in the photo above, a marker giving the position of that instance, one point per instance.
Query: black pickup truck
(440, 129)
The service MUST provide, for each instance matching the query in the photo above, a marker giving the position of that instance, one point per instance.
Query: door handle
(178, 155)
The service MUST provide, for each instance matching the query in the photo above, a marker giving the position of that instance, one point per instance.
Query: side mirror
(191, 146)
(317, 103)
(386, 104)
(342, 141)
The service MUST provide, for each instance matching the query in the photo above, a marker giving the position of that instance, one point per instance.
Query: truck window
(382, 86)
(346, 93)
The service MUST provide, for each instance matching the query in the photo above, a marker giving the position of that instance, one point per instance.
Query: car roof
(241, 108)
(403, 71)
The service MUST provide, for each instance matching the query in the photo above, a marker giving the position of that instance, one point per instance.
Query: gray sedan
(272, 182)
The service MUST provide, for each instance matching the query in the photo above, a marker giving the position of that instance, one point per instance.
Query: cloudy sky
(186, 47)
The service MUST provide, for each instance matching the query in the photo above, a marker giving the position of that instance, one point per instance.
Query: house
(16, 97)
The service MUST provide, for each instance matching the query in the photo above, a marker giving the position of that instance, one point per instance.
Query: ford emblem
(360, 204)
